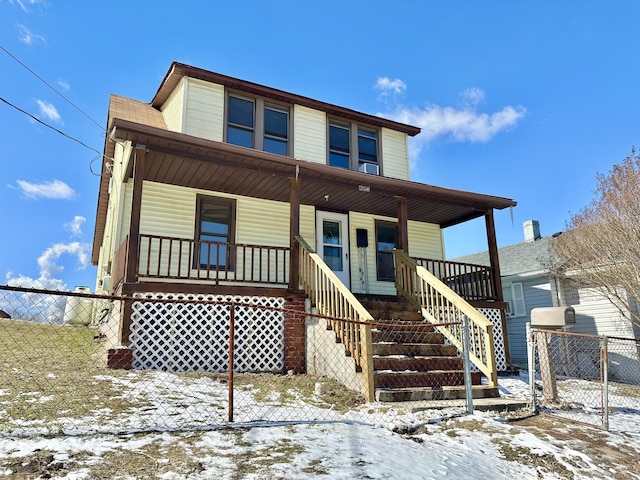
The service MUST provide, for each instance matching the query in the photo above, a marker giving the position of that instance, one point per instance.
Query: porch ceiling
(180, 159)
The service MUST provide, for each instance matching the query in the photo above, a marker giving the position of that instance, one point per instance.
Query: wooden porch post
(495, 277)
(403, 229)
(294, 230)
(131, 267)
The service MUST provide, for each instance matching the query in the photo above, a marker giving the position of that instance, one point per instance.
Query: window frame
(260, 104)
(354, 130)
(388, 224)
(517, 312)
(231, 204)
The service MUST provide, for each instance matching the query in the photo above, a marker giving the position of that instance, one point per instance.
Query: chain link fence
(193, 362)
(585, 378)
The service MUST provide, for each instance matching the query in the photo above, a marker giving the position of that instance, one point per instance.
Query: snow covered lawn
(367, 442)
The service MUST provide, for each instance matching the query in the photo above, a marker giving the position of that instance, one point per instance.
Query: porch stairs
(410, 359)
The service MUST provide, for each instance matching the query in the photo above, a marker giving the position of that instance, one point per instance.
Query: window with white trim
(254, 123)
(514, 298)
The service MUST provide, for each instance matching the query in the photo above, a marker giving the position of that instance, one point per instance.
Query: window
(338, 146)
(214, 230)
(386, 241)
(351, 146)
(514, 298)
(253, 124)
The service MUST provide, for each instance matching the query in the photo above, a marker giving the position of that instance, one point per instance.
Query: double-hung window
(354, 147)
(215, 231)
(386, 241)
(514, 298)
(252, 123)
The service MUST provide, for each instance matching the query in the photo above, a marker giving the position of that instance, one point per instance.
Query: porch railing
(440, 304)
(183, 259)
(471, 282)
(333, 299)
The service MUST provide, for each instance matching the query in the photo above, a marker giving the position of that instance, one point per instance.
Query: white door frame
(343, 220)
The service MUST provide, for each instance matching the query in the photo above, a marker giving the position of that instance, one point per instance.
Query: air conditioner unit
(371, 168)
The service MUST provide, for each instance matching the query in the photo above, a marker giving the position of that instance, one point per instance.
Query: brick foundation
(119, 358)
(294, 335)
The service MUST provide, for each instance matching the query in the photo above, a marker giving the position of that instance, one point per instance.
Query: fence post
(604, 359)
(468, 387)
(232, 321)
(531, 352)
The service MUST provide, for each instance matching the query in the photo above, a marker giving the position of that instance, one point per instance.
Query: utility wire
(50, 126)
(52, 88)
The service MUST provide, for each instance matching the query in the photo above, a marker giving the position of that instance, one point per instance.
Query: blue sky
(526, 100)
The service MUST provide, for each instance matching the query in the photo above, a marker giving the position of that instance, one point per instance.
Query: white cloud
(459, 124)
(25, 4)
(28, 37)
(64, 85)
(48, 110)
(75, 226)
(52, 189)
(387, 85)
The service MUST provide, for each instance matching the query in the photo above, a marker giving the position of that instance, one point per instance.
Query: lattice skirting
(493, 315)
(188, 337)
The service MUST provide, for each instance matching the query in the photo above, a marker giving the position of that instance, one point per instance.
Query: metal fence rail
(587, 378)
(55, 348)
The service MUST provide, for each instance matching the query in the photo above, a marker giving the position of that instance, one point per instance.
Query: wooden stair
(411, 361)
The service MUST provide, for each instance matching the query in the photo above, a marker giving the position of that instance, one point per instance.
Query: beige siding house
(221, 187)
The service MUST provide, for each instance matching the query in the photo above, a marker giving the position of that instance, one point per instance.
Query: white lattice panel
(493, 315)
(187, 337)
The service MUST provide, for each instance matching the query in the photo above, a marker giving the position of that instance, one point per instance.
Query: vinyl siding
(424, 241)
(395, 154)
(537, 293)
(309, 134)
(204, 111)
(172, 110)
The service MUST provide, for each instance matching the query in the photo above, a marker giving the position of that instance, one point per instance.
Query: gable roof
(179, 70)
(516, 259)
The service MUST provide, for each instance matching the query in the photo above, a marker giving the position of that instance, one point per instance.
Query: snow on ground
(361, 444)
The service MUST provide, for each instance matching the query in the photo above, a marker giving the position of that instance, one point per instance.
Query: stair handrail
(332, 298)
(440, 304)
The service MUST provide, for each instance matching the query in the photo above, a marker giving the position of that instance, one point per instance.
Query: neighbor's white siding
(395, 154)
(424, 241)
(204, 110)
(173, 108)
(309, 134)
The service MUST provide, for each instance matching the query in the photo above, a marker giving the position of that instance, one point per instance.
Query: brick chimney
(531, 230)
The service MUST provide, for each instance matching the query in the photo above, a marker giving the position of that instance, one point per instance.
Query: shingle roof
(516, 259)
(134, 111)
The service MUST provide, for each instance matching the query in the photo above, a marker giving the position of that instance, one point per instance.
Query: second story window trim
(354, 146)
(257, 123)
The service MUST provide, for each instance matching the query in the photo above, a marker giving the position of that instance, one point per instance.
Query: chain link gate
(585, 378)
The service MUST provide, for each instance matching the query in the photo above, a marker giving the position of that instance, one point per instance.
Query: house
(527, 284)
(221, 188)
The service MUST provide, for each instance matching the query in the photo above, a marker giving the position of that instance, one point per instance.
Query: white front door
(332, 238)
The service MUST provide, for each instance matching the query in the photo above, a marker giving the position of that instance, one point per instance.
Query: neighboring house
(222, 188)
(527, 284)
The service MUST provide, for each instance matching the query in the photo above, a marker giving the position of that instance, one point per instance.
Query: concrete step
(417, 364)
(404, 336)
(435, 378)
(415, 349)
(432, 394)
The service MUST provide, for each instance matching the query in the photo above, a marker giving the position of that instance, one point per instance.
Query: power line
(51, 87)
(50, 126)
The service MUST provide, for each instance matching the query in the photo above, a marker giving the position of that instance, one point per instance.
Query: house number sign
(364, 188)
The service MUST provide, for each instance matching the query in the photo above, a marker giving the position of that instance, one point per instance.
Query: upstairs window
(241, 122)
(253, 124)
(339, 146)
(276, 130)
(353, 147)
